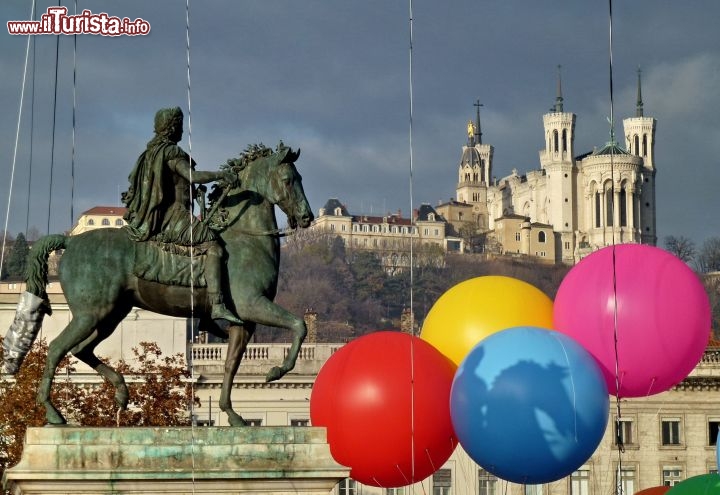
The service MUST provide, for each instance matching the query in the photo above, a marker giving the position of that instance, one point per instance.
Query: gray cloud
(333, 79)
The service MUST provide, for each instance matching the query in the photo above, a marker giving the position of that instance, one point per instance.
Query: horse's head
(279, 182)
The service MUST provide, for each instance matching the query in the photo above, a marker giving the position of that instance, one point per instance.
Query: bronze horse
(97, 275)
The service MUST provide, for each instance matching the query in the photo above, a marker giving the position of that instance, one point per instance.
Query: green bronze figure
(222, 270)
(159, 202)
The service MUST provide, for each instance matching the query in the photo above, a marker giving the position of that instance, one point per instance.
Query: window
(671, 476)
(541, 236)
(119, 222)
(564, 140)
(342, 227)
(713, 428)
(299, 422)
(580, 482)
(555, 141)
(487, 483)
(533, 490)
(623, 207)
(609, 207)
(347, 487)
(567, 245)
(442, 482)
(671, 431)
(636, 144)
(627, 481)
(395, 491)
(91, 222)
(105, 221)
(517, 236)
(598, 215)
(645, 145)
(332, 227)
(624, 432)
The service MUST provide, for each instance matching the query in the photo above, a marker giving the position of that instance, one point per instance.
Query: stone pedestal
(253, 460)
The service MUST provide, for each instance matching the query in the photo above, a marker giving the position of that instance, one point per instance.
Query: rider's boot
(213, 276)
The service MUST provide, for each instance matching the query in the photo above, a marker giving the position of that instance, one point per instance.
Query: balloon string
(618, 433)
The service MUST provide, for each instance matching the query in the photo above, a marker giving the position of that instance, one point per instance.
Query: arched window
(645, 144)
(564, 140)
(598, 210)
(555, 141)
(119, 222)
(623, 207)
(636, 145)
(105, 221)
(541, 236)
(609, 206)
(91, 222)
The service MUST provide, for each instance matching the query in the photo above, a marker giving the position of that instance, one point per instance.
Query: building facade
(390, 236)
(99, 217)
(591, 200)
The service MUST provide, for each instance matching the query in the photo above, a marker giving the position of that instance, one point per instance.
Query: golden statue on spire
(470, 129)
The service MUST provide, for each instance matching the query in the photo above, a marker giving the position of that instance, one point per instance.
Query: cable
(32, 129)
(618, 414)
(52, 145)
(17, 138)
(72, 153)
(412, 312)
(192, 274)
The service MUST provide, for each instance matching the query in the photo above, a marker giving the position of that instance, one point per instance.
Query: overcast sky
(332, 78)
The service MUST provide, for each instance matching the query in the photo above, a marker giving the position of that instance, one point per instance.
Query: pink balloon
(663, 316)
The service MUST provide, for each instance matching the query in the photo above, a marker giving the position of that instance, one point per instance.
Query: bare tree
(708, 259)
(682, 247)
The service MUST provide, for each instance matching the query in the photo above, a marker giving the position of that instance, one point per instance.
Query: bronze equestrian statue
(165, 261)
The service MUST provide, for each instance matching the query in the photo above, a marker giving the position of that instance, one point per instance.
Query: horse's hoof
(275, 373)
(235, 419)
(121, 399)
(54, 418)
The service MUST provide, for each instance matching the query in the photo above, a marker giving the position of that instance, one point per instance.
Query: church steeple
(559, 98)
(639, 104)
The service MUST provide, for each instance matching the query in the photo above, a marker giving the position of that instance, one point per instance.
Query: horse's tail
(33, 305)
(36, 271)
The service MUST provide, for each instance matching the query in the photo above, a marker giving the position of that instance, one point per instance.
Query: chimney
(310, 318)
(407, 322)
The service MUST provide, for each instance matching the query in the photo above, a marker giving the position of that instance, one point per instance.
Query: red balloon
(385, 401)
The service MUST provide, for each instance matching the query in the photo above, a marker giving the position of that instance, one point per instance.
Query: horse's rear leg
(266, 312)
(237, 343)
(79, 329)
(85, 352)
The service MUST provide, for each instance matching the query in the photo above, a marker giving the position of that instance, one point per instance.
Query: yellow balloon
(476, 308)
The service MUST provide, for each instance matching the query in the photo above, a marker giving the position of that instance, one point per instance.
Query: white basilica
(570, 206)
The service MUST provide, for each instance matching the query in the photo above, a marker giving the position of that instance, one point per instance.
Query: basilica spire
(639, 104)
(559, 97)
(478, 130)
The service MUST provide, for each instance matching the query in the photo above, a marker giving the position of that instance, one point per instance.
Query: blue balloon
(529, 405)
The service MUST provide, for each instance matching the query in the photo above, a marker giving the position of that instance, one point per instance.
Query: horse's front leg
(239, 336)
(266, 312)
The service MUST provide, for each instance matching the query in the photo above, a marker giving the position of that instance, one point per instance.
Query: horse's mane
(251, 153)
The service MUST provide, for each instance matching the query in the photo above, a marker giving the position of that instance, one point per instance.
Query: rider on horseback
(159, 202)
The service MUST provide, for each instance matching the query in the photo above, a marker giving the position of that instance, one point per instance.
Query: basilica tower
(640, 141)
(474, 172)
(558, 163)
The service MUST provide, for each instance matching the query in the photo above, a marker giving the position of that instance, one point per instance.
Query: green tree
(17, 258)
